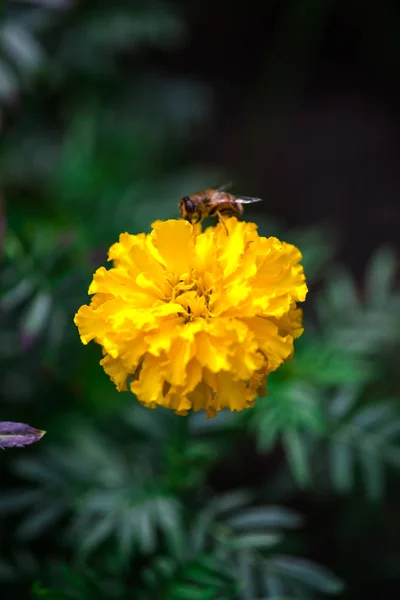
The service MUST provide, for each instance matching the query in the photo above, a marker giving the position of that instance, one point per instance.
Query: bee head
(187, 208)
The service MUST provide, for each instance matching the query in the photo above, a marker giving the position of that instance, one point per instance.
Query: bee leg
(221, 220)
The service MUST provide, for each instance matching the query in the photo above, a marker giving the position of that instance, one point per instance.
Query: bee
(213, 202)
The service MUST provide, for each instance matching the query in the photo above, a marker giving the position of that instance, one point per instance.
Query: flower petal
(149, 385)
(18, 434)
(173, 244)
(116, 372)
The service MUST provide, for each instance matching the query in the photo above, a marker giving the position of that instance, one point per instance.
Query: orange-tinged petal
(116, 371)
(230, 392)
(201, 397)
(275, 347)
(291, 322)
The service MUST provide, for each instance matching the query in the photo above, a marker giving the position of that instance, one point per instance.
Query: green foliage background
(293, 499)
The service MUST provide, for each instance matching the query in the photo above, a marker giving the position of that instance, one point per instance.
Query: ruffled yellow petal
(172, 244)
(230, 393)
(116, 372)
(90, 324)
(120, 251)
(205, 252)
(275, 347)
(149, 385)
(119, 283)
(234, 243)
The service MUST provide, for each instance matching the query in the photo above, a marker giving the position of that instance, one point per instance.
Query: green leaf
(21, 46)
(246, 576)
(341, 291)
(343, 402)
(36, 523)
(37, 315)
(169, 518)
(8, 81)
(270, 516)
(254, 541)
(372, 416)
(205, 577)
(201, 528)
(38, 471)
(296, 453)
(306, 572)
(274, 586)
(213, 564)
(231, 501)
(98, 533)
(324, 364)
(165, 566)
(368, 436)
(146, 532)
(291, 404)
(17, 294)
(11, 502)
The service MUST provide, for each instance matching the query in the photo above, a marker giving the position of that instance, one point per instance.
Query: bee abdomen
(226, 208)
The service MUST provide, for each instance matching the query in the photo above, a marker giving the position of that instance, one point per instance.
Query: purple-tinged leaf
(18, 434)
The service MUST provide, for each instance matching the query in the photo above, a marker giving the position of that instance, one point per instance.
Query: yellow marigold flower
(195, 320)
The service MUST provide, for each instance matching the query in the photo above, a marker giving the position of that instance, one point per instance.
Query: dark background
(306, 109)
(110, 112)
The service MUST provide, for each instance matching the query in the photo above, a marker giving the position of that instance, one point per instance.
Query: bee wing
(247, 199)
(223, 187)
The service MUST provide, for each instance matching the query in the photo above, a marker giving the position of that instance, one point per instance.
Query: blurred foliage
(119, 502)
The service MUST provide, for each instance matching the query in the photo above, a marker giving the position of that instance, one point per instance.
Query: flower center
(193, 295)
